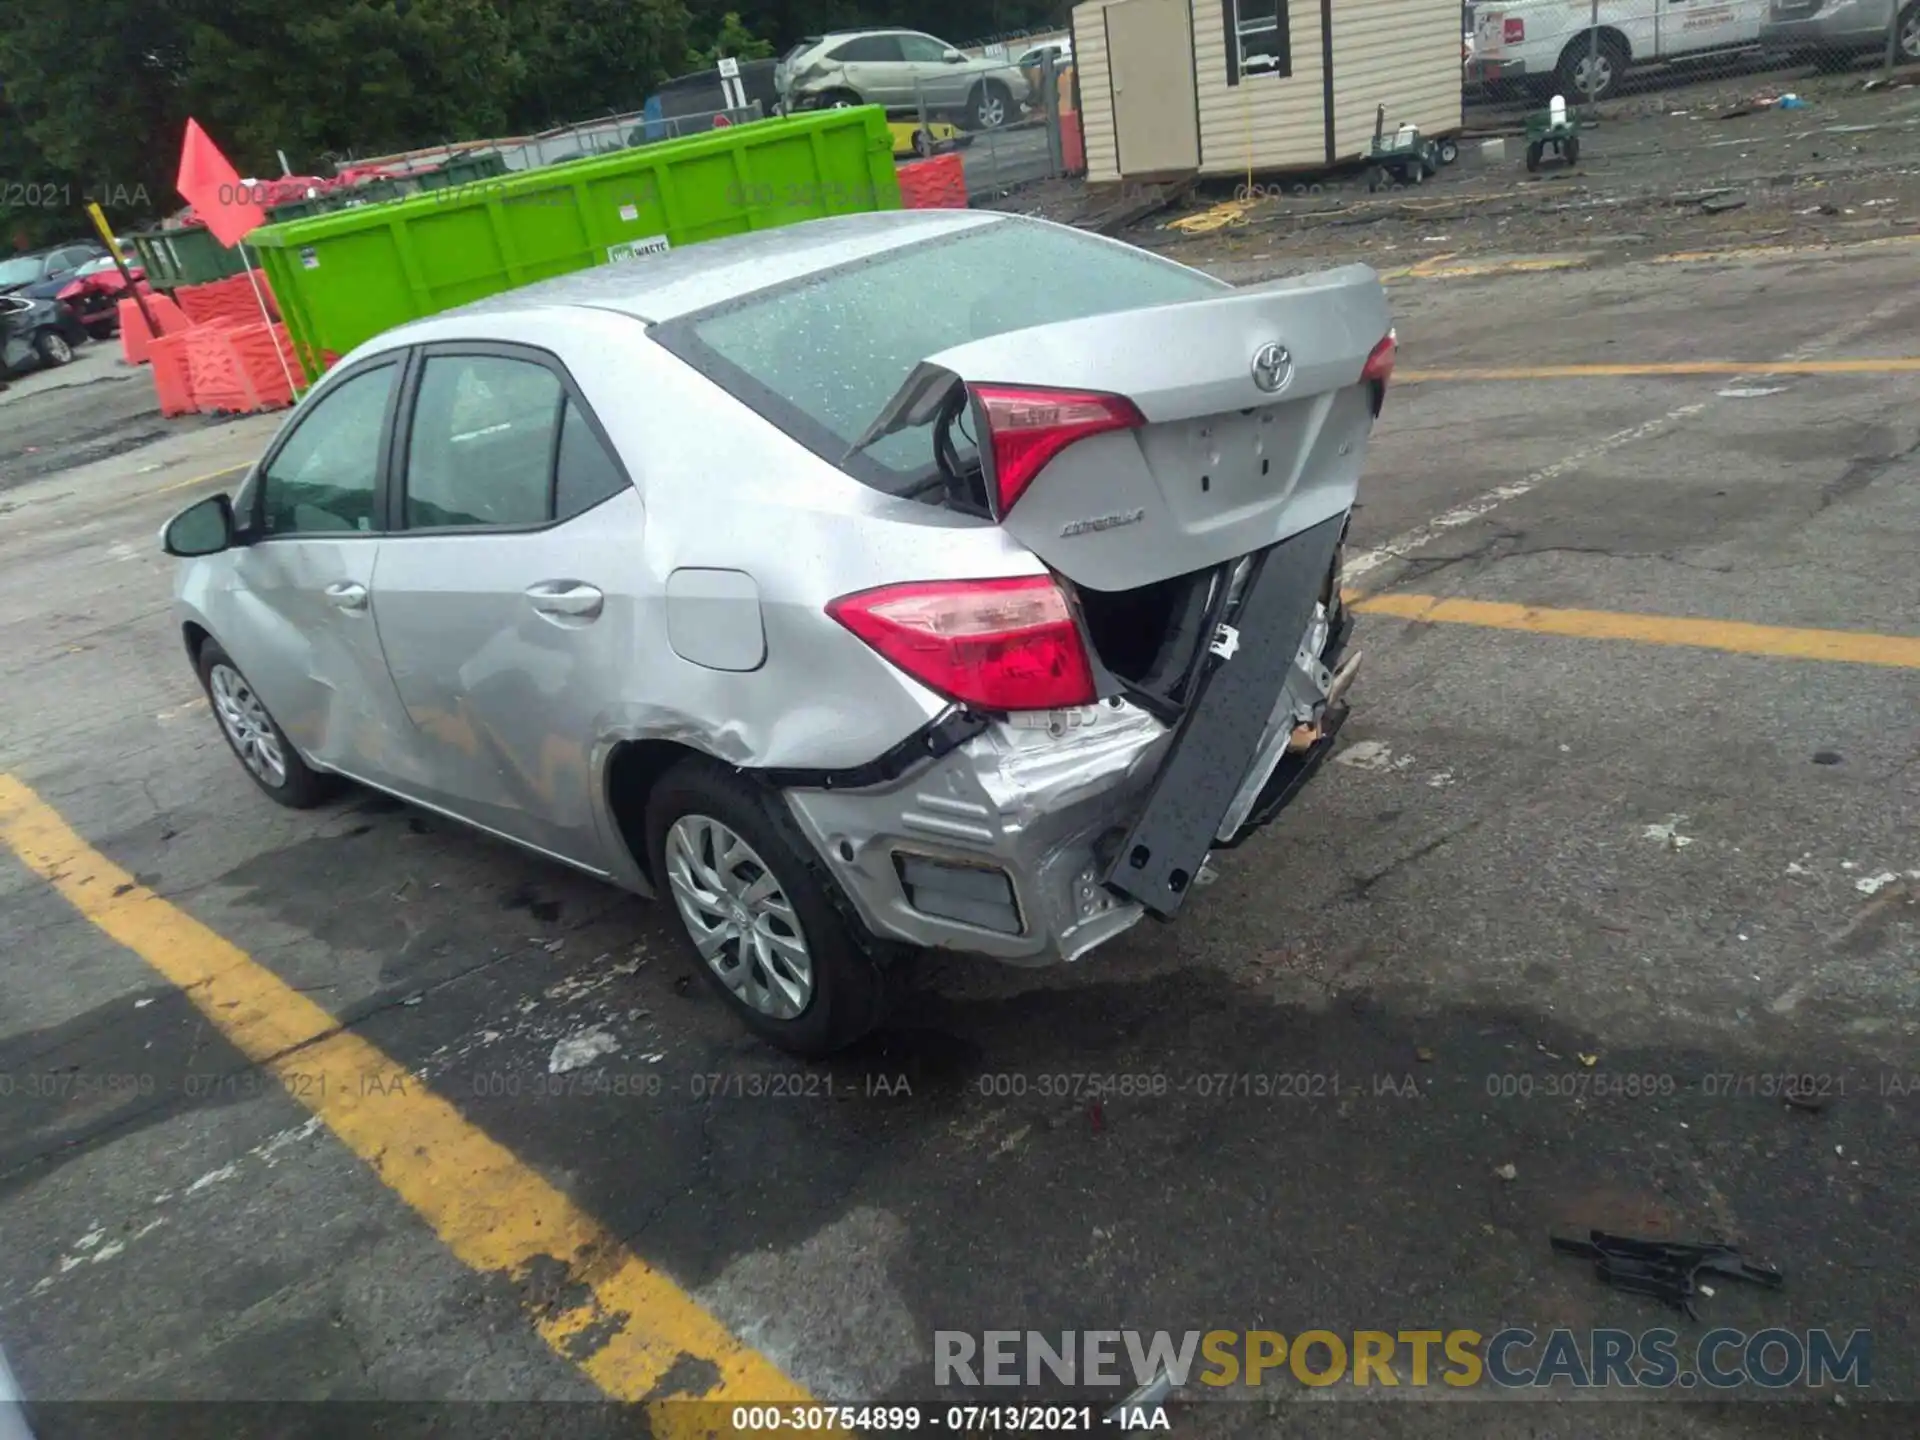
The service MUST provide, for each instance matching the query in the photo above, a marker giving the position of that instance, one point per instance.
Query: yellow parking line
(1883, 365)
(1853, 647)
(1434, 269)
(206, 479)
(598, 1305)
(1761, 252)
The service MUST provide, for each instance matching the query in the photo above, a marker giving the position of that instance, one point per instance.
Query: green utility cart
(1407, 156)
(1545, 133)
(344, 277)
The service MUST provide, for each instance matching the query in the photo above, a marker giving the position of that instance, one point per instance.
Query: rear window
(820, 357)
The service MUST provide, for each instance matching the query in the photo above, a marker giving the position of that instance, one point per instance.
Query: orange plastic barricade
(234, 370)
(936, 184)
(172, 376)
(231, 299)
(135, 338)
(1073, 143)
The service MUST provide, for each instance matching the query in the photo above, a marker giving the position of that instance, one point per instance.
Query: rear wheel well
(633, 770)
(1610, 39)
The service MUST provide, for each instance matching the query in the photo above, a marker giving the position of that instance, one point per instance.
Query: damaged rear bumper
(1008, 844)
(991, 849)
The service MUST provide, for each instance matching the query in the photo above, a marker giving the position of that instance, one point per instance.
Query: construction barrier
(1073, 143)
(232, 300)
(936, 184)
(172, 373)
(135, 338)
(233, 369)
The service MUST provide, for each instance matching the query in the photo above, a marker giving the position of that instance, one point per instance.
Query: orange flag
(209, 183)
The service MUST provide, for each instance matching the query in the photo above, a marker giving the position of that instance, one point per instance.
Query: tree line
(94, 96)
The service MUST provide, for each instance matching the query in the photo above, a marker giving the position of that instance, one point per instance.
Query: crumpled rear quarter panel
(1025, 800)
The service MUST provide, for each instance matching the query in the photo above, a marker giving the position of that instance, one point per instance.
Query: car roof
(678, 282)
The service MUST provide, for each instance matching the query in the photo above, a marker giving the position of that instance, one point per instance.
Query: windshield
(821, 357)
(23, 270)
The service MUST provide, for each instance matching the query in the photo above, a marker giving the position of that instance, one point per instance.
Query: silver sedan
(896, 581)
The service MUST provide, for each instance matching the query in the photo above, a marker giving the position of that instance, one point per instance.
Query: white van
(1545, 43)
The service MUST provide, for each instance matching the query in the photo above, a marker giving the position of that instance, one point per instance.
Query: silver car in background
(1839, 29)
(901, 69)
(902, 580)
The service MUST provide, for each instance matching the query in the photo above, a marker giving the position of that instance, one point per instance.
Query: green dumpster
(187, 255)
(344, 277)
(465, 170)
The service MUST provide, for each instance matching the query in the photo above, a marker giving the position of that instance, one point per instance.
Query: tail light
(1008, 644)
(1514, 32)
(1027, 428)
(1380, 363)
(1379, 369)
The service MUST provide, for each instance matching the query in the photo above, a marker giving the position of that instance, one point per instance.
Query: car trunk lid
(1245, 421)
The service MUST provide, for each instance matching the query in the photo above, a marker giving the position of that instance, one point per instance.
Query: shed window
(1258, 42)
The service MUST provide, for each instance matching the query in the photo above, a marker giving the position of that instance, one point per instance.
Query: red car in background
(95, 293)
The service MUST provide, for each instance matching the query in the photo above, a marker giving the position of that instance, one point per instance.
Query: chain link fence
(1006, 125)
(599, 136)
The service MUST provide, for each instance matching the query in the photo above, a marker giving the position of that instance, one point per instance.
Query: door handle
(348, 595)
(566, 597)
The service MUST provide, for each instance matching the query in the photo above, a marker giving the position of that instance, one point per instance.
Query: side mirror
(953, 56)
(203, 528)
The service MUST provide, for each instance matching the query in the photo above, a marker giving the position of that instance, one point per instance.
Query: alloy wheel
(58, 350)
(991, 112)
(1910, 35)
(247, 724)
(739, 917)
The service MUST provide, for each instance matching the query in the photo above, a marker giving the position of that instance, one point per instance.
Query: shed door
(1150, 66)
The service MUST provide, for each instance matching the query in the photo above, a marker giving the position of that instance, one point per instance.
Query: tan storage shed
(1231, 87)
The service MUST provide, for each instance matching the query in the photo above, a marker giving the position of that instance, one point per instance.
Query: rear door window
(498, 441)
(820, 357)
(482, 443)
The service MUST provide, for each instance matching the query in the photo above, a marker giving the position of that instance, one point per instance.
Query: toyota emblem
(1272, 368)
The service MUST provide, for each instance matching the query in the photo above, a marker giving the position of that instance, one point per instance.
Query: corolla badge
(1272, 367)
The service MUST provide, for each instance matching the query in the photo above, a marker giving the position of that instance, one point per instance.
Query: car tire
(990, 106)
(838, 100)
(53, 349)
(1907, 42)
(255, 737)
(1534, 152)
(1570, 151)
(1611, 60)
(810, 980)
(1449, 151)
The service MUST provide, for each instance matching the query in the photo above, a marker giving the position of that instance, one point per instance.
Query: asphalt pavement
(1618, 858)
